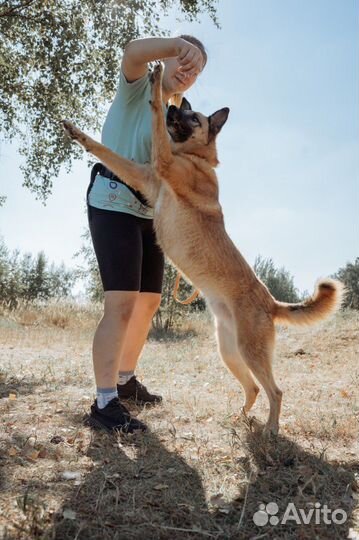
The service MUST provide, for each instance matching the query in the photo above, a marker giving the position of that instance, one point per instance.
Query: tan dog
(182, 187)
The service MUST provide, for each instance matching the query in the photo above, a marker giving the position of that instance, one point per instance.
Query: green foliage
(278, 280)
(171, 311)
(349, 275)
(90, 272)
(60, 59)
(30, 278)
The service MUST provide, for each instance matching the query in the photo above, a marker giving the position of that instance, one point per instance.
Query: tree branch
(14, 10)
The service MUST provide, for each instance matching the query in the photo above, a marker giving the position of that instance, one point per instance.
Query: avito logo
(267, 513)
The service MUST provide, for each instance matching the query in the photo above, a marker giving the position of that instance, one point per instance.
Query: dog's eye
(195, 119)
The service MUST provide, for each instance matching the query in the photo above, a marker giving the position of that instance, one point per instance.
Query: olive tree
(278, 280)
(349, 275)
(60, 59)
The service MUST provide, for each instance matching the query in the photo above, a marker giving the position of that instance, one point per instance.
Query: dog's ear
(185, 105)
(216, 122)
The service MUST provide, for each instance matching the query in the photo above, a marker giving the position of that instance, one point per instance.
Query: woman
(130, 262)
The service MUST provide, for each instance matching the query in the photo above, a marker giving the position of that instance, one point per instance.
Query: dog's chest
(159, 202)
(169, 221)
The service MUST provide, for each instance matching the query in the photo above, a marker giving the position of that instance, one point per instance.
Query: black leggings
(127, 253)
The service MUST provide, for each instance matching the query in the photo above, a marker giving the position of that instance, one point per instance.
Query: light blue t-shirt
(127, 131)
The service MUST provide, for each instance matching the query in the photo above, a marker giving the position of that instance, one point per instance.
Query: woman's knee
(149, 302)
(152, 302)
(120, 304)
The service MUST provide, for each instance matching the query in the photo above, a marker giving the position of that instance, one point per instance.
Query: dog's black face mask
(179, 123)
(184, 124)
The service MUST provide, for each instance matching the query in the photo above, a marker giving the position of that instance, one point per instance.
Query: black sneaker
(114, 416)
(136, 392)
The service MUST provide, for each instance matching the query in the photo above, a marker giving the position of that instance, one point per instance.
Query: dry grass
(202, 470)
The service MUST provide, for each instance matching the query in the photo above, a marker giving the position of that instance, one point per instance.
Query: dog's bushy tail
(327, 298)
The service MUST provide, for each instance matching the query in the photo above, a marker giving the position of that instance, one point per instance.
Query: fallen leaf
(42, 452)
(185, 505)
(32, 454)
(71, 475)
(12, 451)
(159, 487)
(345, 394)
(226, 459)
(69, 514)
(58, 453)
(80, 445)
(217, 500)
(223, 510)
(114, 475)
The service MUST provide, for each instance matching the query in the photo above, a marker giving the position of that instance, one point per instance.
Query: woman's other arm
(141, 51)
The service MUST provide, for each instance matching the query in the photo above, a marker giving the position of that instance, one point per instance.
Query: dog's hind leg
(229, 352)
(256, 347)
(230, 355)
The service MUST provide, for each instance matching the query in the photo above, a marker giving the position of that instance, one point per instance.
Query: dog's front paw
(156, 83)
(156, 73)
(76, 135)
(70, 130)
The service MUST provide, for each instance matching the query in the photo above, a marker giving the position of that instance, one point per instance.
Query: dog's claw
(156, 72)
(74, 133)
(68, 129)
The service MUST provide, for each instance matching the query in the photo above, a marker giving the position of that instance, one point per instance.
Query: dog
(181, 185)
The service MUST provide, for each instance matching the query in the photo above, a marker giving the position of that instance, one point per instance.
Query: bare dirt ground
(202, 470)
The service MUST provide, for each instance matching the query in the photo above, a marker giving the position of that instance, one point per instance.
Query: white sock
(125, 376)
(105, 395)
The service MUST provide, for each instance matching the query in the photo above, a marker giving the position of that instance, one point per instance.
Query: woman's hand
(189, 58)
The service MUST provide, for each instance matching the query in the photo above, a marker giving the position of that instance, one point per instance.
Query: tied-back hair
(176, 99)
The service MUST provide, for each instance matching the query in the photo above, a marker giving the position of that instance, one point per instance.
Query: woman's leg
(145, 307)
(148, 300)
(147, 303)
(131, 267)
(107, 412)
(117, 241)
(110, 335)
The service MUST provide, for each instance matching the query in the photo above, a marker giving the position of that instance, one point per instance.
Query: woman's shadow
(138, 489)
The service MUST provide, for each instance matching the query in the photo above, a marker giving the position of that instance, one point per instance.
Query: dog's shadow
(308, 495)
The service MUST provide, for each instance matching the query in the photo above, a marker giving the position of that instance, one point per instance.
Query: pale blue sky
(289, 173)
